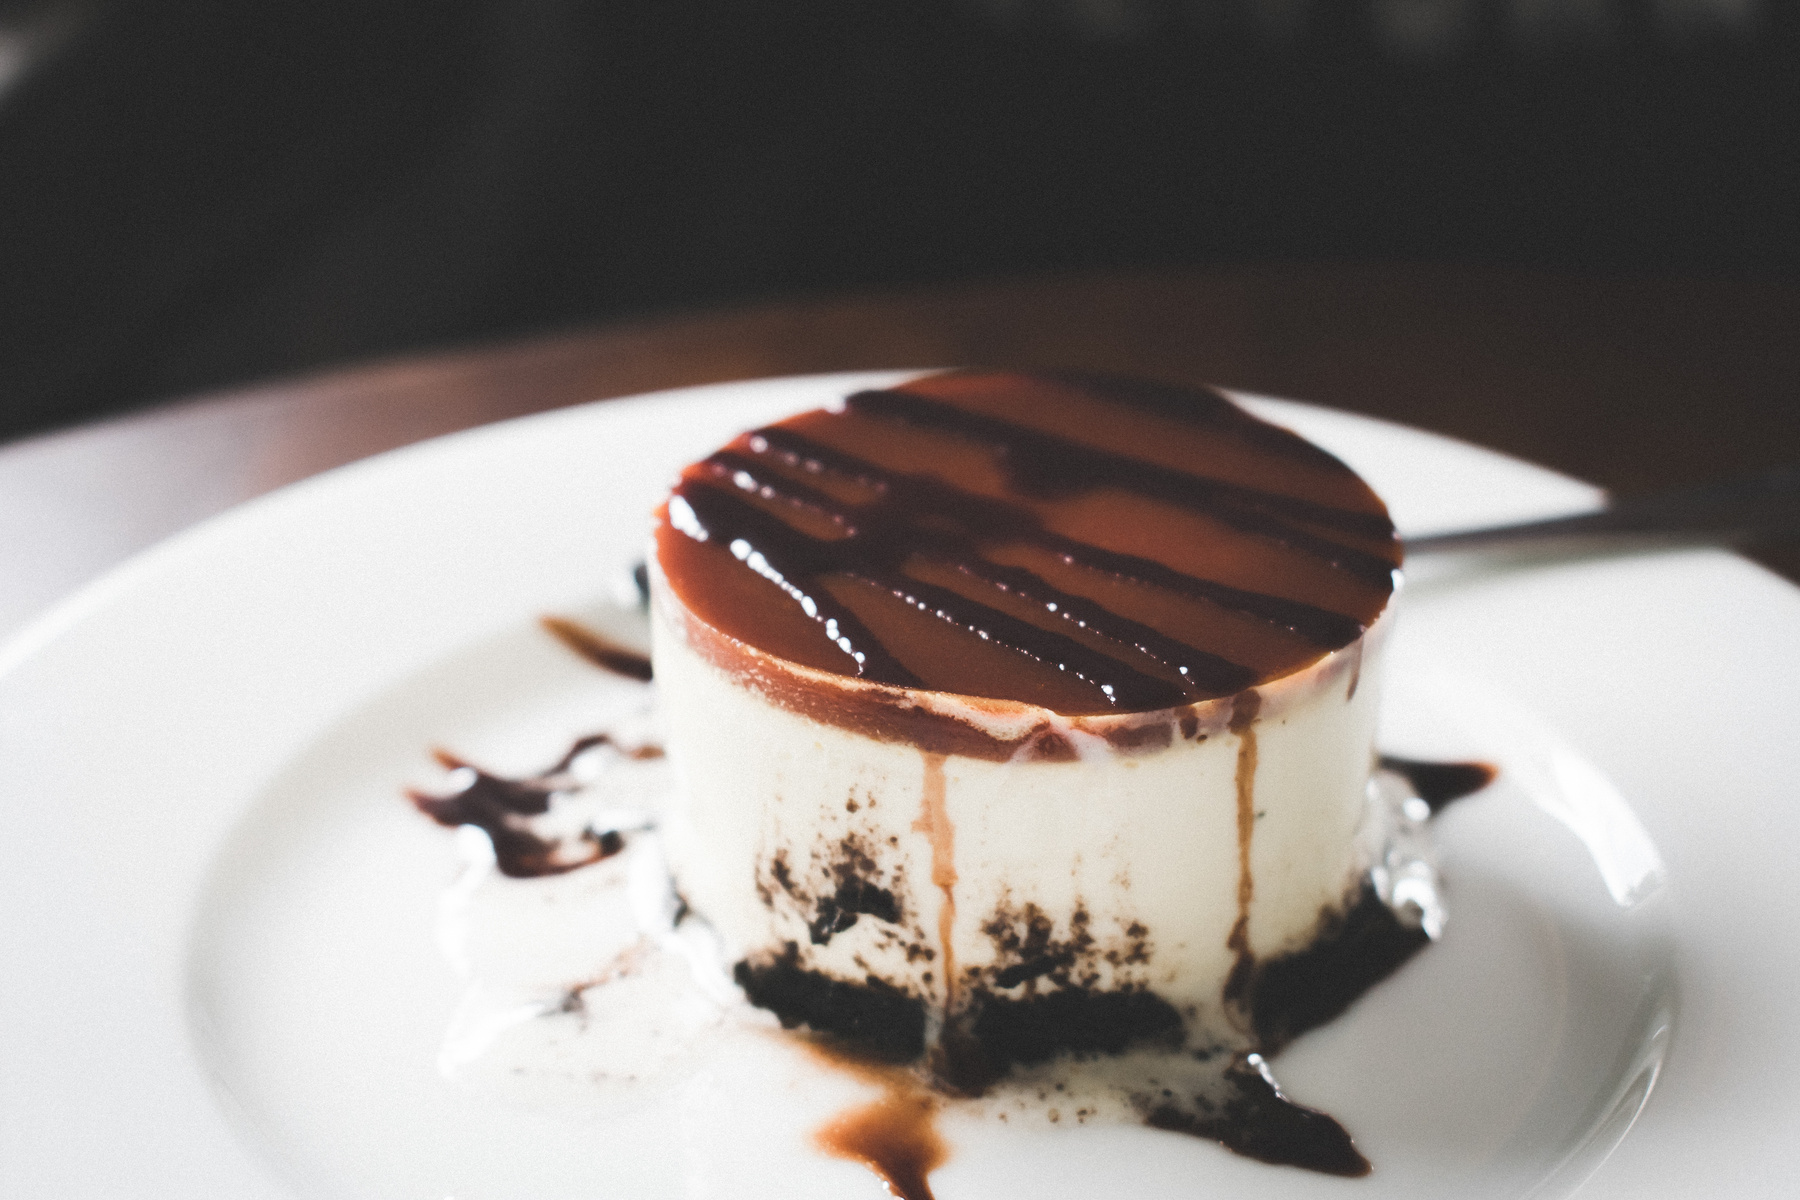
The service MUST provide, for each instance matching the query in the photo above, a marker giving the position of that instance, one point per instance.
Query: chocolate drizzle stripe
(1209, 674)
(798, 450)
(1190, 405)
(1320, 626)
(1121, 684)
(1045, 464)
(1261, 514)
(963, 535)
(1196, 406)
(1359, 564)
(800, 559)
(795, 559)
(748, 475)
(875, 553)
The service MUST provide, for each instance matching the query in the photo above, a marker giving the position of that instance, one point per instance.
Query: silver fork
(1721, 513)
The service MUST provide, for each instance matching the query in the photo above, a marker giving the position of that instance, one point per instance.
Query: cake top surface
(1083, 543)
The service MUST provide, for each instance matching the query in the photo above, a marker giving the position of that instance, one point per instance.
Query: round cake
(1016, 714)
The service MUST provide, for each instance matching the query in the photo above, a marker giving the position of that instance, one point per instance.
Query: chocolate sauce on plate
(500, 807)
(603, 653)
(1441, 783)
(1255, 1119)
(894, 1136)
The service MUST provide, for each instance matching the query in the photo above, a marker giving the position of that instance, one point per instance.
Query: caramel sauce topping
(1083, 543)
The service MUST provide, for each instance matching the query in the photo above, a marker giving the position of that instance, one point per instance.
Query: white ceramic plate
(217, 967)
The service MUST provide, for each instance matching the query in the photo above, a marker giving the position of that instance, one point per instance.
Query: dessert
(1017, 715)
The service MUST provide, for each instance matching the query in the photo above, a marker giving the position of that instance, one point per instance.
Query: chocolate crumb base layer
(874, 1019)
(1287, 996)
(878, 1021)
(1356, 950)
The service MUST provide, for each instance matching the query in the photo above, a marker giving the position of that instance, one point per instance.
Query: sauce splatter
(1256, 1119)
(502, 807)
(895, 1137)
(1439, 784)
(607, 655)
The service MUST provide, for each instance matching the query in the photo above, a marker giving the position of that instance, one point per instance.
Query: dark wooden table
(1631, 383)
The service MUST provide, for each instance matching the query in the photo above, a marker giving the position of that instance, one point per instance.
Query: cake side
(1039, 903)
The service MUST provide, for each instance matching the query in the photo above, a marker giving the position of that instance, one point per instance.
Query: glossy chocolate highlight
(988, 534)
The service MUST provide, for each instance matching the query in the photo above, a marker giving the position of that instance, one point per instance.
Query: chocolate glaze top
(1083, 543)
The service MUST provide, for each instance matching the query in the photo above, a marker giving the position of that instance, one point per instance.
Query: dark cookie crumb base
(995, 1034)
(1286, 996)
(873, 1018)
(1283, 998)
(1353, 952)
(1076, 1021)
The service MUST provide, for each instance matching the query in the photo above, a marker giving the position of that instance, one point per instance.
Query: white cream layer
(1139, 848)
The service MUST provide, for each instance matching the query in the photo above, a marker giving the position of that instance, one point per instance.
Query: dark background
(198, 194)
